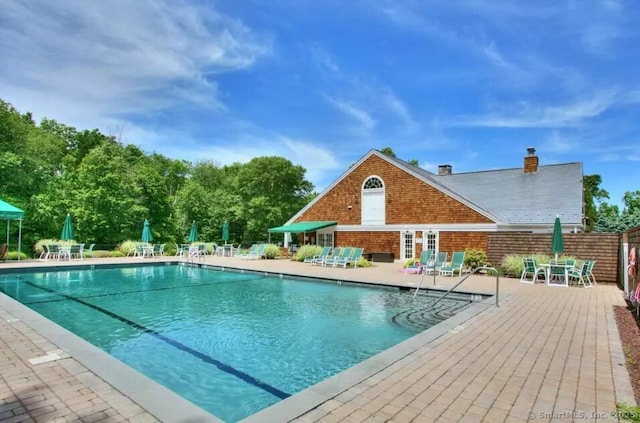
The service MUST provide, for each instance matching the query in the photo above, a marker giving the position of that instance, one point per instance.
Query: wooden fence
(604, 248)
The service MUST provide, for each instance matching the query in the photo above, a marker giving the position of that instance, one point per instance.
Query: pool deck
(545, 354)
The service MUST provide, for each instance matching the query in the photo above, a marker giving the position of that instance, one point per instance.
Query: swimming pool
(231, 342)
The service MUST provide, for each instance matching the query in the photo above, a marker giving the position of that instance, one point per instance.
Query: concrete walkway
(546, 354)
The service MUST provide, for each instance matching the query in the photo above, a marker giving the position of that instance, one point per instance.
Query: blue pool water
(232, 343)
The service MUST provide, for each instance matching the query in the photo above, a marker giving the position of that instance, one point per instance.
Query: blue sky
(470, 83)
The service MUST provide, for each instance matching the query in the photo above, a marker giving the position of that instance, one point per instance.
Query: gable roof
(525, 198)
(506, 196)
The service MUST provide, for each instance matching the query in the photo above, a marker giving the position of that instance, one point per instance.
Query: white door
(407, 245)
(373, 207)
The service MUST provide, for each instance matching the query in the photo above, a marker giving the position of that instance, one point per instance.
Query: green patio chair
(435, 265)
(344, 253)
(356, 254)
(425, 258)
(456, 264)
(531, 270)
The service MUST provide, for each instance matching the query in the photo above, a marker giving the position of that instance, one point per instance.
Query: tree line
(50, 169)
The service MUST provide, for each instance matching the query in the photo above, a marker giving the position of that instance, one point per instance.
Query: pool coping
(169, 406)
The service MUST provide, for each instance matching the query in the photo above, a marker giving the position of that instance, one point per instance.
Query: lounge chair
(323, 253)
(418, 267)
(255, 252)
(435, 265)
(356, 254)
(333, 252)
(456, 264)
(344, 254)
(531, 270)
(247, 253)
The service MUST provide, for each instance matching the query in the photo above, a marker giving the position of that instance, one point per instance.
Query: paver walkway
(546, 354)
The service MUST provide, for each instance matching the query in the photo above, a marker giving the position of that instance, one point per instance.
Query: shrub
(39, 247)
(308, 251)
(512, 266)
(271, 251)
(13, 255)
(126, 246)
(101, 253)
(170, 249)
(409, 262)
(116, 253)
(363, 262)
(474, 258)
(628, 412)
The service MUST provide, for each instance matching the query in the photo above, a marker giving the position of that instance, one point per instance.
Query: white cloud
(99, 60)
(527, 115)
(318, 161)
(399, 109)
(354, 112)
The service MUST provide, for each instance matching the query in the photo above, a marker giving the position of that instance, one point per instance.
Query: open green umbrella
(225, 232)
(67, 229)
(557, 243)
(146, 232)
(193, 232)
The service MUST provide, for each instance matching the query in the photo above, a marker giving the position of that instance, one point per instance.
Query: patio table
(556, 274)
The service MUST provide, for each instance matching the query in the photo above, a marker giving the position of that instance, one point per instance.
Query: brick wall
(379, 242)
(602, 247)
(408, 199)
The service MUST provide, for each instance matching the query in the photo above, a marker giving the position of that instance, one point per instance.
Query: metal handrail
(464, 279)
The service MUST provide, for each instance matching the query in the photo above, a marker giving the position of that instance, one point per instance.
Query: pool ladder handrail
(473, 272)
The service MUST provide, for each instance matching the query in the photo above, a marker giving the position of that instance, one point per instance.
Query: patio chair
(3, 251)
(344, 254)
(52, 251)
(246, 254)
(590, 276)
(435, 265)
(158, 250)
(323, 253)
(75, 251)
(456, 265)
(580, 275)
(88, 251)
(425, 257)
(356, 254)
(258, 253)
(333, 252)
(531, 270)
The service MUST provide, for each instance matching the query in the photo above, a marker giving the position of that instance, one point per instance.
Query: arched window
(373, 208)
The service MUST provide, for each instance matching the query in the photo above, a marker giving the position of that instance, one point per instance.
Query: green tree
(631, 201)
(272, 189)
(106, 201)
(388, 151)
(592, 193)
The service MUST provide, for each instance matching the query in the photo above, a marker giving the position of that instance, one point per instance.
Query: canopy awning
(303, 226)
(10, 212)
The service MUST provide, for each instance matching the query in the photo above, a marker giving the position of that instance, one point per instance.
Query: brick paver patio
(546, 354)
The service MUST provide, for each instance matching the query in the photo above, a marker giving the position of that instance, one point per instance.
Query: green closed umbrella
(557, 243)
(193, 232)
(146, 232)
(67, 229)
(225, 232)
